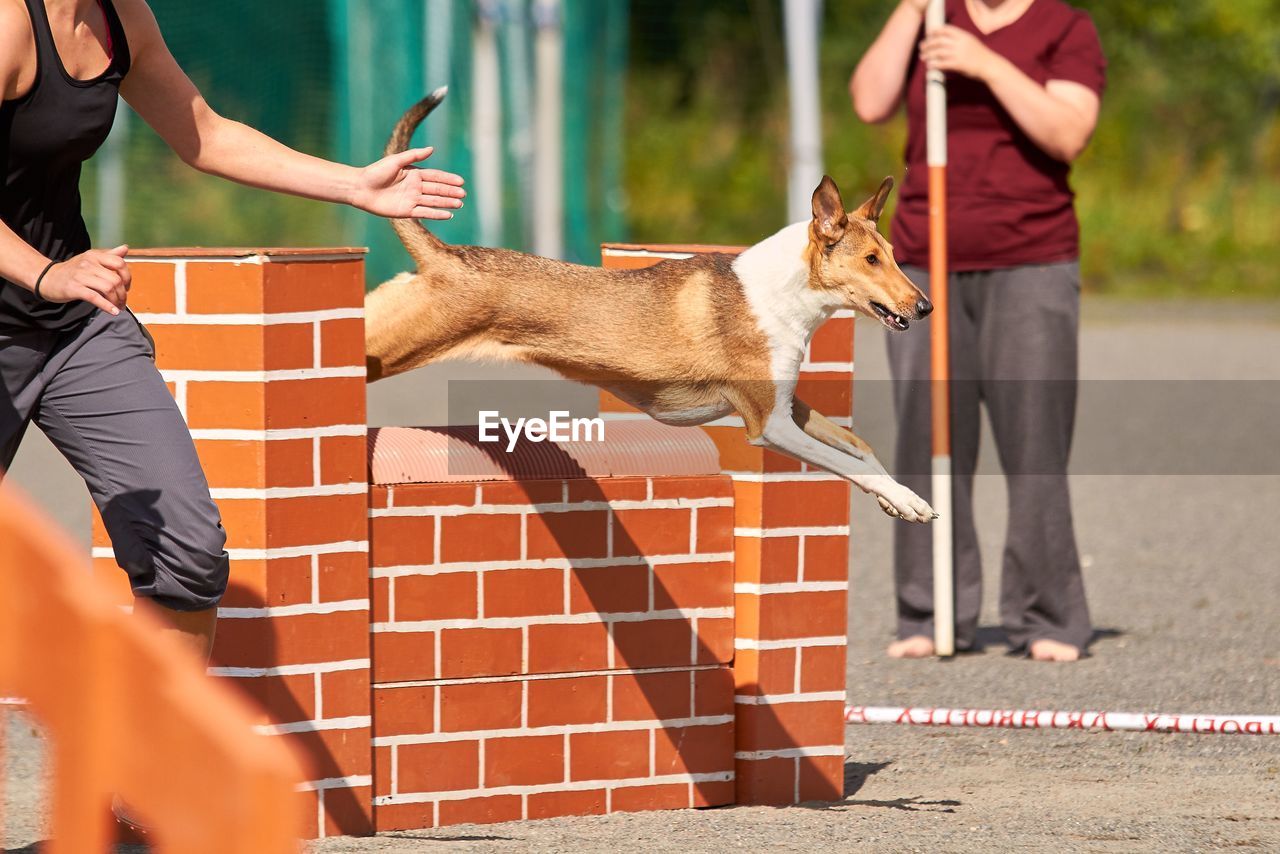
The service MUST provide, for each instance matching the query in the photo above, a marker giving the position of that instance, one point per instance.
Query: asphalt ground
(1181, 551)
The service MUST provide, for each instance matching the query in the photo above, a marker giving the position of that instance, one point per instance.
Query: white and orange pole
(944, 624)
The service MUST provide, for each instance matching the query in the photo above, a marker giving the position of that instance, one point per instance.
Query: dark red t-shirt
(1008, 202)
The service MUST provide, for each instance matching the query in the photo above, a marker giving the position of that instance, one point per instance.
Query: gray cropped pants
(95, 392)
(1014, 343)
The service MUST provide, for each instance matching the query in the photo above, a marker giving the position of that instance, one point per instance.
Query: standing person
(72, 357)
(1024, 86)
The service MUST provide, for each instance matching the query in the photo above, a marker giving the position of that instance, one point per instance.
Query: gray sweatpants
(1013, 348)
(95, 392)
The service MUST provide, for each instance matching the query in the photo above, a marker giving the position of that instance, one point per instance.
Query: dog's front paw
(902, 503)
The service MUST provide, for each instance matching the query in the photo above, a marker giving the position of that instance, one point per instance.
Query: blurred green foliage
(1179, 191)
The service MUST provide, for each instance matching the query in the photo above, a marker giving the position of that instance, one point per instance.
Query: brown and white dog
(686, 341)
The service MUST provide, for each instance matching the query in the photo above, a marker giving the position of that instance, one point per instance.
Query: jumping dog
(686, 341)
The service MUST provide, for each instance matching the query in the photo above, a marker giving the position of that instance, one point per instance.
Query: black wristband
(40, 278)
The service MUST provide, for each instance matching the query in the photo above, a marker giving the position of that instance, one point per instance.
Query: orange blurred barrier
(128, 714)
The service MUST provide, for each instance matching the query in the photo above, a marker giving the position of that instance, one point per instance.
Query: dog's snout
(923, 307)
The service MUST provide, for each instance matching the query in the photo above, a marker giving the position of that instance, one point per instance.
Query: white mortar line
(438, 568)
(789, 643)
(522, 509)
(263, 376)
(291, 669)
(752, 589)
(571, 729)
(551, 620)
(293, 610)
(782, 699)
(574, 786)
(817, 530)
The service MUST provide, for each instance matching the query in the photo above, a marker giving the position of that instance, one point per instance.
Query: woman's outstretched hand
(393, 187)
(99, 276)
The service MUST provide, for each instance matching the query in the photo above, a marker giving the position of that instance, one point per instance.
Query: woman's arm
(168, 101)
(878, 82)
(1059, 116)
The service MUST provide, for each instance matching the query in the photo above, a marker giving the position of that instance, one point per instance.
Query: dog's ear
(874, 206)
(829, 218)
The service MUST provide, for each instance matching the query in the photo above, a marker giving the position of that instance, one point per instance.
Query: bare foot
(916, 646)
(1052, 650)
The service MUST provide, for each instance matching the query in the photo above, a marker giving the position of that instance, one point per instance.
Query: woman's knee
(182, 571)
(198, 582)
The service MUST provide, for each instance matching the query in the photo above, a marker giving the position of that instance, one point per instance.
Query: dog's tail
(413, 234)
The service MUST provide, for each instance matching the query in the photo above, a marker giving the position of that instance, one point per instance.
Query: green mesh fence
(331, 78)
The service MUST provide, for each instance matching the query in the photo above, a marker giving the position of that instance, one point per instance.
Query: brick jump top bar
(447, 454)
(205, 252)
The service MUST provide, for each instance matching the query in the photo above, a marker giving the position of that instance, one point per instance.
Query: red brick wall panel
(693, 585)
(293, 639)
(480, 652)
(403, 656)
(409, 710)
(666, 796)
(821, 778)
(443, 767)
(341, 342)
(568, 648)
(524, 592)
(313, 286)
(345, 693)
(609, 589)
(693, 749)
(402, 540)
(653, 643)
(803, 614)
(822, 668)
(200, 347)
(523, 492)
(489, 810)
(316, 519)
(524, 760)
(468, 707)
(780, 726)
(290, 346)
(479, 538)
(343, 576)
(571, 700)
(342, 459)
(715, 530)
(553, 804)
(577, 534)
(662, 695)
(651, 532)
(152, 289)
(322, 402)
(609, 755)
(446, 596)
(215, 287)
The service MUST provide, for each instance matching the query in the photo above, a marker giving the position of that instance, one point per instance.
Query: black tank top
(44, 137)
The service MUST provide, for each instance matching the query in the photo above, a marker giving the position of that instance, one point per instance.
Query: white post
(548, 154)
(111, 175)
(805, 172)
(486, 124)
(944, 624)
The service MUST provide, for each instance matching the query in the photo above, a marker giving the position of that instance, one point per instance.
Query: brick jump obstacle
(450, 633)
